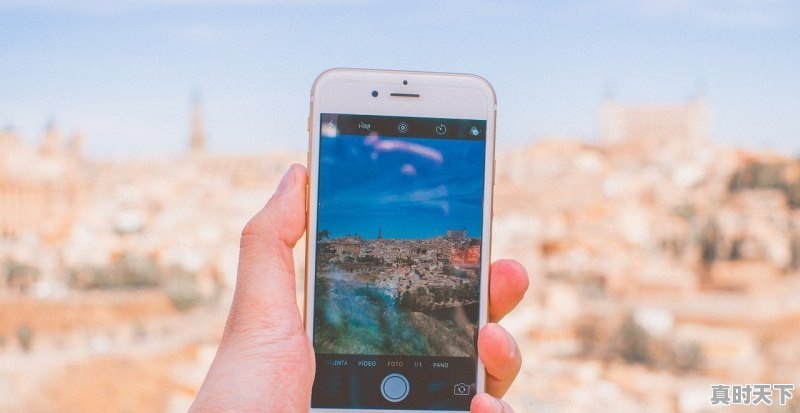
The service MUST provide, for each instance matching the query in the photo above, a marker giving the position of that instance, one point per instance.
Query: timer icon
(441, 129)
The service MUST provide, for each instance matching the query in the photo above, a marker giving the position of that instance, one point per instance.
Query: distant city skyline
(374, 234)
(124, 73)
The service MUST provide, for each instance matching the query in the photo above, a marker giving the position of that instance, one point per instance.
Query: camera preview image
(398, 246)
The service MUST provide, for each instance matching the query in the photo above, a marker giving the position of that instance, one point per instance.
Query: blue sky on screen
(124, 72)
(418, 189)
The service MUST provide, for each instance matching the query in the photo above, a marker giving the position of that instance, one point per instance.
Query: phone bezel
(441, 95)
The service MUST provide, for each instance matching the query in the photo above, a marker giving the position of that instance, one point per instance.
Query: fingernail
(286, 182)
(497, 406)
(512, 346)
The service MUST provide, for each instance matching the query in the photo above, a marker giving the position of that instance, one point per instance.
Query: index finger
(508, 281)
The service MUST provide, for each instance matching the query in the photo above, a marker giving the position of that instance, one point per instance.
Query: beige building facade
(687, 122)
(41, 188)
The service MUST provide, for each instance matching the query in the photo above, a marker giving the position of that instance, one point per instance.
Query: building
(688, 122)
(347, 245)
(456, 234)
(197, 136)
(41, 189)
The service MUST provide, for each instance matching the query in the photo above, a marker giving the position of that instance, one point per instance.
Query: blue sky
(408, 188)
(124, 72)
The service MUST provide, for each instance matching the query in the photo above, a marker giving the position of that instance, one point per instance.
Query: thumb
(265, 284)
(264, 342)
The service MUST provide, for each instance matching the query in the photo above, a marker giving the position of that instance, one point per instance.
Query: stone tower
(197, 137)
(52, 142)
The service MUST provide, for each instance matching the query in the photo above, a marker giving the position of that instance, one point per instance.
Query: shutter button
(394, 387)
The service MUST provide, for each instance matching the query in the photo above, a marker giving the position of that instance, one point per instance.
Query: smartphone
(401, 170)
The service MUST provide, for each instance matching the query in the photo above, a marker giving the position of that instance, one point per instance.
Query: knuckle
(256, 328)
(253, 228)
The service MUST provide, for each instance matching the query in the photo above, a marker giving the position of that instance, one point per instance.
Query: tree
(794, 264)
(633, 343)
(25, 337)
(709, 239)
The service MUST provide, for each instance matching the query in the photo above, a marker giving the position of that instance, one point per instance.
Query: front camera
(374, 93)
(405, 82)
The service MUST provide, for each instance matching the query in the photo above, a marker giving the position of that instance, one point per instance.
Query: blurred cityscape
(430, 287)
(661, 264)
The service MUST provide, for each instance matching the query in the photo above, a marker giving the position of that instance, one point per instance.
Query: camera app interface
(398, 262)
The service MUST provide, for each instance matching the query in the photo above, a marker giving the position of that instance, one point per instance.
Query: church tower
(197, 137)
(52, 143)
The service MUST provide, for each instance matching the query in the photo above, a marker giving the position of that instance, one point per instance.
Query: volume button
(308, 128)
(494, 169)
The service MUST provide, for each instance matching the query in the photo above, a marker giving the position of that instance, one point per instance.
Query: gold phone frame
(441, 95)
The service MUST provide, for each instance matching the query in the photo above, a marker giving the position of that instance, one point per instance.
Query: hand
(265, 361)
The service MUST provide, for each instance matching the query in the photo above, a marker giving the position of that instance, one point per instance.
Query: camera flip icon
(461, 389)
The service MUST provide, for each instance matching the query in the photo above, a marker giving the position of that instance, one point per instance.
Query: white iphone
(399, 222)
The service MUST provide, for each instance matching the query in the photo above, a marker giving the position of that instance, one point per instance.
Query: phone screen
(398, 262)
